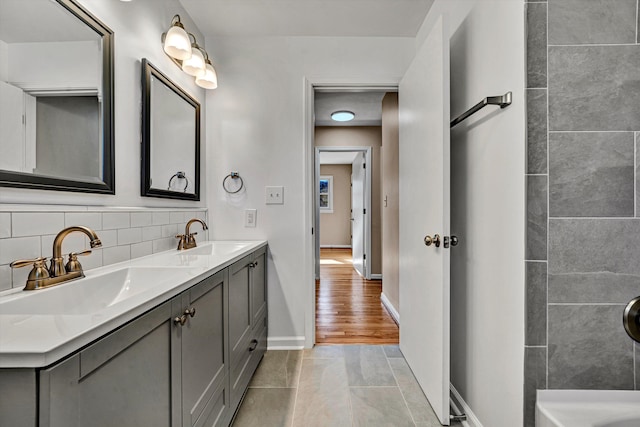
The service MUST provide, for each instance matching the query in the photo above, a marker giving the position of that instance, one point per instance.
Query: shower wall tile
(591, 174)
(536, 45)
(92, 220)
(592, 22)
(536, 218)
(536, 131)
(583, 342)
(536, 320)
(535, 368)
(594, 88)
(594, 260)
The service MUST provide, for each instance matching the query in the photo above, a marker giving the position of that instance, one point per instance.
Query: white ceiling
(362, 18)
(367, 107)
(337, 157)
(31, 21)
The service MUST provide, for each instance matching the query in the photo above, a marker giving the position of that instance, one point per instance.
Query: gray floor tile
(367, 366)
(413, 395)
(266, 407)
(392, 351)
(323, 394)
(323, 352)
(278, 369)
(379, 406)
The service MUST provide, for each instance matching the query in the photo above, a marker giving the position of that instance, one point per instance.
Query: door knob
(435, 240)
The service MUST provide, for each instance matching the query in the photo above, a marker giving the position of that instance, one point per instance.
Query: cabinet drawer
(242, 372)
(216, 411)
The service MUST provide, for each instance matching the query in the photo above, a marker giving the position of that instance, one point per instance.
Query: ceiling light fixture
(342, 116)
(183, 49)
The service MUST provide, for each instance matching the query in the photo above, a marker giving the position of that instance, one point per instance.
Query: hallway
(348, 307)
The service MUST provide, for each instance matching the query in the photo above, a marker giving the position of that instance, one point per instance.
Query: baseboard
(376, 276)
(458, 405)
(390, 308)
(285, 343)
(335, 246)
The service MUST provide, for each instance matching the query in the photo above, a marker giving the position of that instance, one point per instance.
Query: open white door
(424, 210)
(358, 178)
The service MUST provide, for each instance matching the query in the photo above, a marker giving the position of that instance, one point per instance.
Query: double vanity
(170, 339)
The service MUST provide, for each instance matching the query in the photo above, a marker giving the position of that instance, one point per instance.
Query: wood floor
(348, 307)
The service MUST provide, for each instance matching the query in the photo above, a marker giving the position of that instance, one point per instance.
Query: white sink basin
(218, 248)
(93, 294)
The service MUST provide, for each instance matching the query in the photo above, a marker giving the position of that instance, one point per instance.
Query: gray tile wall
(125, 234)
(583, 234)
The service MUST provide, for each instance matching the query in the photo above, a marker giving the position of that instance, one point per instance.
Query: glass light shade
(208, 80)
(342, 116)
(194, 66)
(177, 43)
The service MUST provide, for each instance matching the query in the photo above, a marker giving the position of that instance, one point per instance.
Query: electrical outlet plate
(274, 195)
(250, 217)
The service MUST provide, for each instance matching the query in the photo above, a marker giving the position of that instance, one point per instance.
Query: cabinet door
(240, 316)
(204, 359)
(125, 379)
(259, 288)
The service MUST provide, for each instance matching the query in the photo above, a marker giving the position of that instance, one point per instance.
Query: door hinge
(364, 211)
(364, 166)
(312, 231)
(364, 256)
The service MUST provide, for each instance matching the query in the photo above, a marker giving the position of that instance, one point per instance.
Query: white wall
(256, 127)
(488, 206)
(4, 61)
(138, 27)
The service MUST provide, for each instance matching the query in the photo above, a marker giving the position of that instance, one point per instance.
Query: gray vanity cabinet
(205, 395)
(124, 379)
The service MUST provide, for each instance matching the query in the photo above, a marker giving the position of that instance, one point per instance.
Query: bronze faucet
(187, 240)
(40, 277)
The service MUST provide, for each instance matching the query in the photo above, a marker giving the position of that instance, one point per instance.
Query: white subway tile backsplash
(109, 238)
(113, 220)
(36, 223)
(141, 249)
(169, 230)
(127, 236)
(92, 261)
(5, 277)
(116, 254)
(176, 217)
(161, 218)
(19, 248)
(152, 233)
(141, 219)
(19, 277)
(92, 220)
(5, 225)
(164, 244)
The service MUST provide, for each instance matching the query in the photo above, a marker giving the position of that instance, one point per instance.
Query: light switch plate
(274, 195)
(250, 217)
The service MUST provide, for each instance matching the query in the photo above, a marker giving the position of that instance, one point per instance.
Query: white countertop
(31, 341)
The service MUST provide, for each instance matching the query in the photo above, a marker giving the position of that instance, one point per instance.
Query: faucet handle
(73, 264)
(182, 242)
(37, 273)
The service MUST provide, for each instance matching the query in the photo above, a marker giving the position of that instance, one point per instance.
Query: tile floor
(335, 385)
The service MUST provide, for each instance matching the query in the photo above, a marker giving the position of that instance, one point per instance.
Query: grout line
(609, 218)
(401, 392)
(592, 131)
(593, 44)
(546, 368)
(635, 161)
(587, 303)
(637, 22)
(295, 399)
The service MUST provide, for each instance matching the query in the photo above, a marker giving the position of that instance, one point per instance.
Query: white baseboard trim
(335, 246)
(460, 406)
(390, 308)
(285, 343)
(376, 276)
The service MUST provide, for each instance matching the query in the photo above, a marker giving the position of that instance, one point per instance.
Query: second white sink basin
(218, 248)
(94, 293)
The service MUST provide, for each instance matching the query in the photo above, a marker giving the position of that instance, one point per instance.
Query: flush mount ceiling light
(183, 49)
(342, 116)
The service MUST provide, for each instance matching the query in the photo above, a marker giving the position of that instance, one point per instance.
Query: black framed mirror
(170, 138)
(56, 98)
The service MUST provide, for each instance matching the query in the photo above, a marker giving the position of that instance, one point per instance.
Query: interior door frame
(310, 85)
(367, 203)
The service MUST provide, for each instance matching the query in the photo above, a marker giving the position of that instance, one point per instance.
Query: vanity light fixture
(342, 116)
(183, 49)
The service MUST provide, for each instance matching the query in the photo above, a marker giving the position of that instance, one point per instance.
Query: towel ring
(232, 175)
(179, 175)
